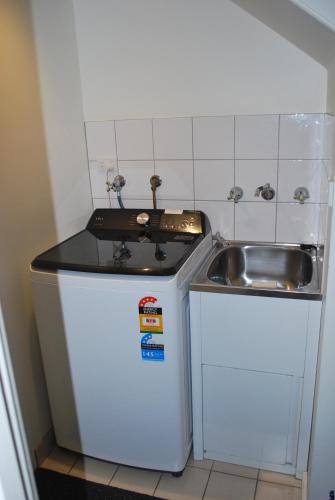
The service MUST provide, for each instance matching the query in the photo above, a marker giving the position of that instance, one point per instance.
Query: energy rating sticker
(150, 316)
(150, 350)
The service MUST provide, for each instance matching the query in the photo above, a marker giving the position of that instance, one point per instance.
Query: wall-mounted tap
(267, 192)
(221, 242)
(155, 182)
(118, 182)
(301, 194)
(235, 194)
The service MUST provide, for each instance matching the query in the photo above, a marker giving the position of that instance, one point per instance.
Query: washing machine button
(143, 218)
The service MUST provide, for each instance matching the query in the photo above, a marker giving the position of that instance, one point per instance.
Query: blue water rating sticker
(150, 350)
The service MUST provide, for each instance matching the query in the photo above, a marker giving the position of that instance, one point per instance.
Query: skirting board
(45, 447)
(304, 486)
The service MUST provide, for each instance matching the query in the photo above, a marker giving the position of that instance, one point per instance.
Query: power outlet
(106, 165)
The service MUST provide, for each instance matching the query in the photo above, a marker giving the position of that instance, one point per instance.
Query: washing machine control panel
(162, 221)
(186, 222)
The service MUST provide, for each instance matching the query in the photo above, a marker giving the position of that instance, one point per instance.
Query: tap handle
(301, 194)
(155, 182)
(259, 190)
(266, 191)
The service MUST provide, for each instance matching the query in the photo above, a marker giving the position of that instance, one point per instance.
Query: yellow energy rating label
(150, 315)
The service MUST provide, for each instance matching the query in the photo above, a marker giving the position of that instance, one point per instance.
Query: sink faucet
(220, 240)
(266, 191)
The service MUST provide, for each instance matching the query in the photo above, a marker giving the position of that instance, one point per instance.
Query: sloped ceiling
(300, 25)
(323, 10)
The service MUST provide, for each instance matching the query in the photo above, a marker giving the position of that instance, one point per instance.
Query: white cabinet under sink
(253, 375)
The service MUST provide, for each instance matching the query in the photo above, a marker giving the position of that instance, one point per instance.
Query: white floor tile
(90, 469)
(201, 464)
(190, 486)
(275, 477)
(227, 487)
(270, 491)
(235, 470)
(142, 481)
(60, 460)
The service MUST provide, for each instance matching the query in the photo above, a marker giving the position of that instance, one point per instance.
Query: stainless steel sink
(262, 266)
(263, 269)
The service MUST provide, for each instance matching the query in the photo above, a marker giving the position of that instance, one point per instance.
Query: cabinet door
(254, 333)
(250, 415)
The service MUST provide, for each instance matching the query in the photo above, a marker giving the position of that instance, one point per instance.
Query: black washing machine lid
(113, 243)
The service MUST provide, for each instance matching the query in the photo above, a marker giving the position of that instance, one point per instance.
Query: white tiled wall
(200, 159)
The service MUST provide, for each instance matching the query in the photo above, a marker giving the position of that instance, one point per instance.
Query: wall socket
(106, 165)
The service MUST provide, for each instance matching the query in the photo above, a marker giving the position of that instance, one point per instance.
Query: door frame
(16, 471)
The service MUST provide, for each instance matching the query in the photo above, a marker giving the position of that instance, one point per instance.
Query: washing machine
(112, 310)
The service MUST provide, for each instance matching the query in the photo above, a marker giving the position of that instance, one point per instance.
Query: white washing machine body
(116, 355)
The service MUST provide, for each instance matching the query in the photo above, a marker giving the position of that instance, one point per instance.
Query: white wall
(26, 211)
(44, 189)
(62, 112)
(169, 58)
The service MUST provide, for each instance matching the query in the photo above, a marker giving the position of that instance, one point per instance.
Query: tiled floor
(204, 479)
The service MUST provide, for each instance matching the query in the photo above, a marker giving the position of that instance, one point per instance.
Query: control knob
(142, 218)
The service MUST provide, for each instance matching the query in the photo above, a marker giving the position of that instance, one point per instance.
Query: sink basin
(270, 269)
(262, 267)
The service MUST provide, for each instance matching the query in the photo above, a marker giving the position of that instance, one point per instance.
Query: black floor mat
(55, 486)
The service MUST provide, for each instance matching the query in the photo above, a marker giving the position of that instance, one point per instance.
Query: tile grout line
(88, 163)
(234, 205)
(74, 463)
(169, 117)
(116, 148)
(209, 476)
(113, 475)
(153, 145)
(296, 203)
(256, 488)
(158, 482)
(277, 187)
(192, 138)
(124, 160)
(110, 198)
